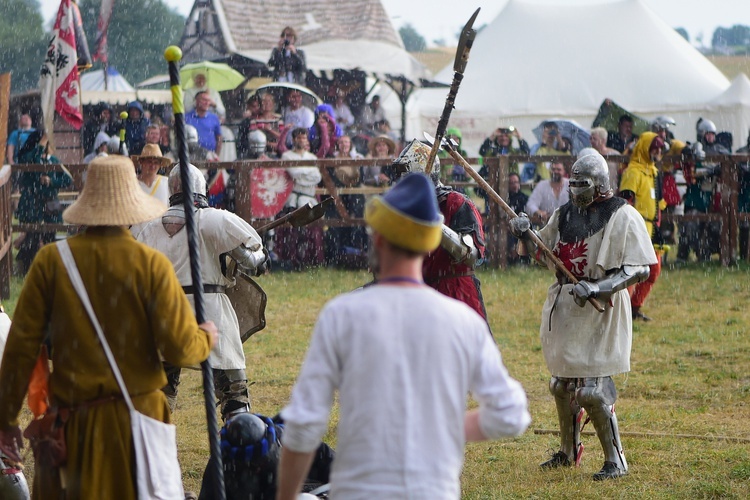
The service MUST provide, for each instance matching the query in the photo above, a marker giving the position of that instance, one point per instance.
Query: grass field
(689, 386)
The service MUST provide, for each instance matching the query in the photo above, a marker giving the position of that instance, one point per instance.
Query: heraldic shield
(249, 302)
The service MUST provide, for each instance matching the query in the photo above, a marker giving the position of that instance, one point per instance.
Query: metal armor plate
(249, 302)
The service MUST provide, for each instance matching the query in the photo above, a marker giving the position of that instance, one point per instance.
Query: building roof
(352, 34)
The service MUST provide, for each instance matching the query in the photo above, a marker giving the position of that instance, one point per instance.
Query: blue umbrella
(578, 135)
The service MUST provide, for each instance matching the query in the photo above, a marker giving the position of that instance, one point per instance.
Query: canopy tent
(538, 60)
(731, 110)
(115, 82)
(118, 90)
(163, 97)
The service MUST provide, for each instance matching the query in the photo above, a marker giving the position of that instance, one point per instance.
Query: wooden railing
(496, 223)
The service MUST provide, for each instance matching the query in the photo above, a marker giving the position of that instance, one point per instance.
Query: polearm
(448, 147)
(121, 147)
(173, 54)
(465, 41)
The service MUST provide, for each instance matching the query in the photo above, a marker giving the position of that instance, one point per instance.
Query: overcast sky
(442, 19)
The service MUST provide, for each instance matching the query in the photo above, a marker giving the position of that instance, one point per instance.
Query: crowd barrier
(496, 220)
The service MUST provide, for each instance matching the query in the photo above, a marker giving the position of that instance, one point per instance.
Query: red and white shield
(269, 190)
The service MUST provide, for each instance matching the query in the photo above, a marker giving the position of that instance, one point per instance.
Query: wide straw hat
(408, 216)
(385, 139)
(112, 196)
(152, 152)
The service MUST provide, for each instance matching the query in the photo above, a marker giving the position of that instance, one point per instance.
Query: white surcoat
(220, 231)
(579, 341)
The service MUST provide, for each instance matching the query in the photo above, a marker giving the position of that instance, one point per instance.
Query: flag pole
(173, 54)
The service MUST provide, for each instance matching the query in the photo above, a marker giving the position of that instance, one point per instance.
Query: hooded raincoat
(640, 177)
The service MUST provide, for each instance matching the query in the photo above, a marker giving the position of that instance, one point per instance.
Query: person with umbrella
(551, 143)
(200, 85)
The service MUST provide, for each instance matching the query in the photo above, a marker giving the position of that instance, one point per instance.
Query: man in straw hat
(381, 347)
(220, 232)
(144, 314)
(149, 162)
(379, 147)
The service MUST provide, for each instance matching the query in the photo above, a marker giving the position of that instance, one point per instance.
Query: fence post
(729, 212)
(6, 219)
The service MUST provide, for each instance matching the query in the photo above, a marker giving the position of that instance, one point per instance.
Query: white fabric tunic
(306, 180)
(403, 360)
(159, 189)
(220, 231)
(579, 341)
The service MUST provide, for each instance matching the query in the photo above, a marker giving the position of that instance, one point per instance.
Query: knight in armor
(450, 268)
(222, 235)
(603, 242)
(250, 452)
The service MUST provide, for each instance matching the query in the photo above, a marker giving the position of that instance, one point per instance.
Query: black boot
(609, 471)
(559, 459)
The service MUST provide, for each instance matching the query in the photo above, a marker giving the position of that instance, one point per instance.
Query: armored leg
(568, 414)
(597, 396)
(173, 382)
(231, 391)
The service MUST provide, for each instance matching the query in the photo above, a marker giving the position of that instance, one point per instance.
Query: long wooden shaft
(506, 208)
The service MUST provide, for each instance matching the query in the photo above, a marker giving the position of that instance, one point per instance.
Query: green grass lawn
(689, 386)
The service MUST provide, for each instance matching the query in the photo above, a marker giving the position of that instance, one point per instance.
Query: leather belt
(190, 289)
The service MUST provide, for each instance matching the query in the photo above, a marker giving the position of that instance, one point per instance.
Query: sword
(173, 54)
(459, 66)
(449, 148)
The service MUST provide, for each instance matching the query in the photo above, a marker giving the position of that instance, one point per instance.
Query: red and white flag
(59, 84)
(105, 14)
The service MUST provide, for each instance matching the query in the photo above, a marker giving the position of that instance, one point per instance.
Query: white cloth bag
(158, 475)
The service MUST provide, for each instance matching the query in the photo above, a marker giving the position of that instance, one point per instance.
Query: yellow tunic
(142, 310)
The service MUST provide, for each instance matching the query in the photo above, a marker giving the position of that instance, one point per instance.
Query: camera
(286, 43)
(552, 132)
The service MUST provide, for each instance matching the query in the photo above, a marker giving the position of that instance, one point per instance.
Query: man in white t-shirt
(403, 358)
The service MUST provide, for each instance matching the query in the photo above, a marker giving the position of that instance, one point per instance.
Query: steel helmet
(191, 133)
(662, 122)
(705, 126)
(197, 180)
(414, 157)
(251, 438)
(589, 180)
(256, 142)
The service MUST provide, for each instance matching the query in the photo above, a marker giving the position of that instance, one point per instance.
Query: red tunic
(440, 271)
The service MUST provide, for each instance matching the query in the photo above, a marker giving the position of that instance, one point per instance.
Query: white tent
(540, 60)
(731, 110)
(94, 80)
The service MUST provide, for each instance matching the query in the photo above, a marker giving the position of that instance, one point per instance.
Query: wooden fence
(496, 223)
